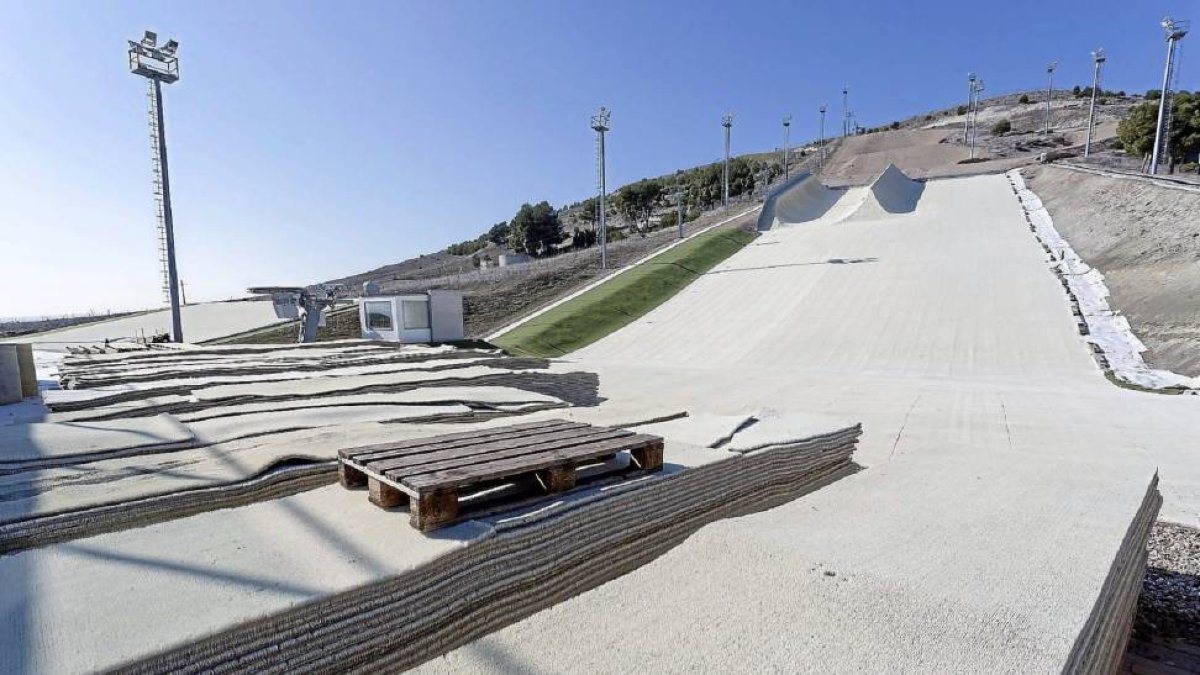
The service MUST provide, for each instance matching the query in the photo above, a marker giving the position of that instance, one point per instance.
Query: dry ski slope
(1008, 486)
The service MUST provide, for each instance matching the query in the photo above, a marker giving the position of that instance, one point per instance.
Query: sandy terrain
(934, 147)
(1146, 240)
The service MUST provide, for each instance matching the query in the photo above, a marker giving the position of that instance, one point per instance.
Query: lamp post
(1049, 90)
(787, 142)
(727, 122)
(822, 145)
(1175, 30)
(160, 65)
(970, 107)
(1097, 63)
(600, 126)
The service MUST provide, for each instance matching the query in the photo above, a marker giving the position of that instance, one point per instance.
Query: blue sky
(309, 140)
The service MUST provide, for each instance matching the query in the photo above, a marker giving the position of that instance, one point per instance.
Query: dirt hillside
(1146, 240)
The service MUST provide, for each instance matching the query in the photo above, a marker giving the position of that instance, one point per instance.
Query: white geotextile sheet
(23, 442)
(1106, 327)
(488, 395)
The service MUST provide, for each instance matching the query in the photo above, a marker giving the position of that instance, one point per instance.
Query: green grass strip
(630, 295)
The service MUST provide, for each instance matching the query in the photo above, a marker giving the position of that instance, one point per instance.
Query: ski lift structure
(309, 304)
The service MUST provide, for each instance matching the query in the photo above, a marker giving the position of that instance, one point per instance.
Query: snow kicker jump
(805, 199)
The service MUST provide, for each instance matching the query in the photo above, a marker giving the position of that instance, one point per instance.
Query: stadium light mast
(600, 126)
(727, 122)
(822, 110)
(970, 107)
(1175, 29)
(973, 113)
(680, 192)
(1049, 90)
(787, 143)
(160, 65)
(1097, 64)
(845, 111)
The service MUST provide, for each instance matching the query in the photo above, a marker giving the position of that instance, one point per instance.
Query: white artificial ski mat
(1107, 328)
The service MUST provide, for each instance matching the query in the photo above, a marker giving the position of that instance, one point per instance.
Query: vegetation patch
(617, 303)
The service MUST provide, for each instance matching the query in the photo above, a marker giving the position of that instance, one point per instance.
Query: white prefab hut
(432, 316)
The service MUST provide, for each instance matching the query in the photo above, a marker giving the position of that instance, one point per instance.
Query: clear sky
(309, 140)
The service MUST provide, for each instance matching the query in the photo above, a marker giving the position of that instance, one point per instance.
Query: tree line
(1136, 132)
(539, 229)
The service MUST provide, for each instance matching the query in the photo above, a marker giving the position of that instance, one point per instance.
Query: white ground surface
(177, 581)
(1003, 470)
(201, 322)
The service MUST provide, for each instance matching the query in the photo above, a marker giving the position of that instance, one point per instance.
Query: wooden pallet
(430, 473)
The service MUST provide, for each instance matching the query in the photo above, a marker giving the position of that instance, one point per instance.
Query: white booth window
(379, 315)
(416, 313)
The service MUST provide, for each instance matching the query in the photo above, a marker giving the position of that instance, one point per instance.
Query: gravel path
(1169, 607)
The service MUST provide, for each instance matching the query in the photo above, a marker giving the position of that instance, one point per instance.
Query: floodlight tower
(845, 111)
(973, 114)
(727, 122)
(1097, 63)
(1049, 90)
(787, 142)
(600, 126)
(822, 110)
(160, 65)
(1175, 29)
(970, 107)
(680, 192)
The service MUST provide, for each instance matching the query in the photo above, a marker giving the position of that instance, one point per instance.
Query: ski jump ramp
(804, 199)
(1000, 521)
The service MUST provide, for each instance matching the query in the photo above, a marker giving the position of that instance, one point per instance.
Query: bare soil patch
(1146, 240)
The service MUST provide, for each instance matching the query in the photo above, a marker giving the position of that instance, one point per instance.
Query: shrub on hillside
(961, 110)
(1024, 98)
(1001, 127)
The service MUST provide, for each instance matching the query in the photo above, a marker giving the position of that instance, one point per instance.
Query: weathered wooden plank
(350, 477)
(445, 459)
(648, 457)
(383, 495)
(476, 473)
(433, 509)
(557, 478)
(367, 452)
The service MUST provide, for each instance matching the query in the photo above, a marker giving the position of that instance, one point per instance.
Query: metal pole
(970, 106)
(822, 165)
(679, 217)
(1162, 105)
(787, 142)
(600, 126)
(1098, 60)
(727, 122)
(168, 221)
(1049, 91)
(845, 112)
(603, 209)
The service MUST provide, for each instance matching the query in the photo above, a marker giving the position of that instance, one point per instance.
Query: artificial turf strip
(612, 305)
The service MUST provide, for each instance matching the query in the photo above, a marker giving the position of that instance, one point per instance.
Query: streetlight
(1097, 62)
(160, 65)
